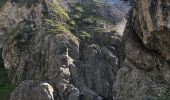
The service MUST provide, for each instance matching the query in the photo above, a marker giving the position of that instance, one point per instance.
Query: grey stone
(33, 90)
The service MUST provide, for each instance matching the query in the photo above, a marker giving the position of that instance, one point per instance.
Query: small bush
(58, 19)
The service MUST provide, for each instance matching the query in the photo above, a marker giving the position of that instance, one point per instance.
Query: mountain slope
(73, 50)
(76, 53)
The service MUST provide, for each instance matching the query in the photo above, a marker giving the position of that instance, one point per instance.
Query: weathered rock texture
(87, 68)
(146, 71)
(151, 21)
(76, 69)
(33, 90)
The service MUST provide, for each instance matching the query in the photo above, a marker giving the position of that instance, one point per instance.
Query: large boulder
(33, 90)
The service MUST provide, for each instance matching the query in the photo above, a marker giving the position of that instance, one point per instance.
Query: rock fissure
(75, 50)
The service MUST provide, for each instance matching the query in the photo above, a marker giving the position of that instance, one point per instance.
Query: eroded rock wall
(76, 69)
(151, 23)
(146, 70)
(90, 68)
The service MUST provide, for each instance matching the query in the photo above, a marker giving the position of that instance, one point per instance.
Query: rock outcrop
(33, 90)
(75, 55)
(34, 49)
(146, 71)
(151, 22)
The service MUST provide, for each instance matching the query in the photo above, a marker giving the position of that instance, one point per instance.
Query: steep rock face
(77, 69)
(100, 59)
(86, 69)
(31, 52)
(146, 71)
(151, 23)
(18, 14)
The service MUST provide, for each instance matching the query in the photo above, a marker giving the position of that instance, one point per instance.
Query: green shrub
(59, 12)
(57, 27)
(58, 19)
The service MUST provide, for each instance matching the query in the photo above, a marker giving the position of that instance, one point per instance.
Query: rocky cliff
(146, 71)
(49, 55)
(72, 50)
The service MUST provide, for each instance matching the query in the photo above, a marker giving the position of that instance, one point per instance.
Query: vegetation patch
(86, 19)
(162, 92)
(5, 85)
(57, 19)
(80, 22)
